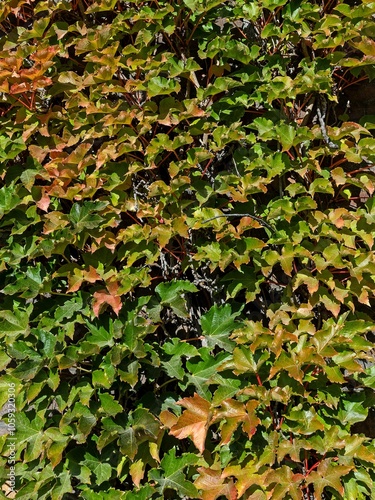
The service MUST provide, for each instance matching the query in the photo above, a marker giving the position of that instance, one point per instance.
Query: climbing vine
(187, 248)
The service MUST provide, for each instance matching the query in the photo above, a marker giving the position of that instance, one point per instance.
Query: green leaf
(171, 294)
(202, 371)
(244, 279)
(218, 324)
(173, 476)
(101, 470)
(227, 388)
(159, 85)
(27, 369)
(83, 216)
(30, 432)
(110, 405)
(354, 410)
(14, 323)
(321, 186)
(304, 421)
(28, 284)
(64, 485)
(8, 198)
(173, 367)
(177, 349)
(286, 134)
(100, 336)
(145, 424)
(128, 443)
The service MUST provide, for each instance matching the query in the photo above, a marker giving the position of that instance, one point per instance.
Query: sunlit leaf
(194, 421)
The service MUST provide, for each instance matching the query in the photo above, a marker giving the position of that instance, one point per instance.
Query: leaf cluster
(187, 248)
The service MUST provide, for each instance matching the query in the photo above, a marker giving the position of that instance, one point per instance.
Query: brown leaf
(194, 421)
(213, 485)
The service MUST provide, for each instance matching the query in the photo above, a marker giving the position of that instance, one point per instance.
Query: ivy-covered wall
(187, 269)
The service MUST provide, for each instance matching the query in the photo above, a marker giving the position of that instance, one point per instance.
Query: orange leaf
(251, 421)
(246, 476)
(103, 297)
(45, 54)
(168, 419)
(234, 413)
(44, 202)
(91, 275)
(194, 421)
(213, 485)
(79, 276)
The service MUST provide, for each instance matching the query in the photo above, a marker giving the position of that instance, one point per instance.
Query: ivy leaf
(328, 474)
(8, 198)
(213, 485)
(354, 409)
(128, 443)
(145, 424)
(100, 336)
(286, 135)
(28, 369)
(83, 216)
(28, 284)
(171, 294)
(106, 297)
(245, 278)
(304, 277)
(321, 186)
(174, 366)
(232, 413)
(13, 323)
(64, 485)
(202, 371)
(159, 85)
(305, 421)
(31, 433)
(293, 448)
(110, 405)
(194, 421)
(101, 470)
(218, 324)
(173, 476)
(289, 364)
(137, 471)
(287, 483)
(227, 387)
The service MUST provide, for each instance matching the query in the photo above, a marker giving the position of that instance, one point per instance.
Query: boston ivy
(187, 248)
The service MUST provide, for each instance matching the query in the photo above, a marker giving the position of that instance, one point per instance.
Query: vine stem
(321, 112)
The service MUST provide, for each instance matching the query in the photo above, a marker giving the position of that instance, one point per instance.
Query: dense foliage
(187, 248)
